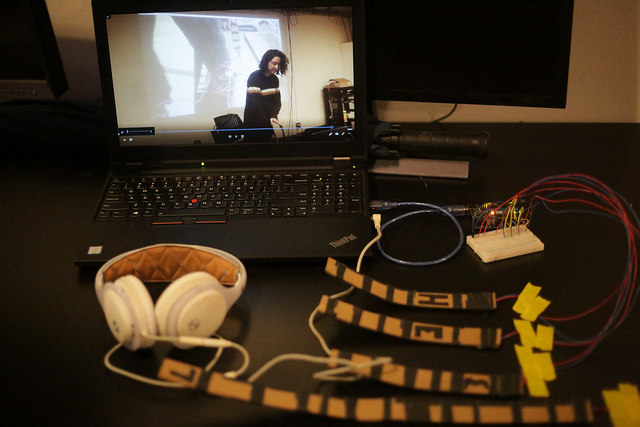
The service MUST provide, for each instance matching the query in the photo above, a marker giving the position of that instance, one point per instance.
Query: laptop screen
(238, 76)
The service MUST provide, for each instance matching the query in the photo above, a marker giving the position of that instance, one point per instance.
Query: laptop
(191, 89)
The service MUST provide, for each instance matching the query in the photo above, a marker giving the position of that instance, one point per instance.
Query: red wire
(607, 202)
(506, 297)
(576, 357)
(584, 313)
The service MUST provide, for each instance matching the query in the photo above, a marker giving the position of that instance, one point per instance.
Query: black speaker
(228, 128)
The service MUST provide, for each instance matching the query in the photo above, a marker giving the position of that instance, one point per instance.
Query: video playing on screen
(232, 76)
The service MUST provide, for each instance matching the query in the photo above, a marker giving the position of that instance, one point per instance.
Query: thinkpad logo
(343, 241)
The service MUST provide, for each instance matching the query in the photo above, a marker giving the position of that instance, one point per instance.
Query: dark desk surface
(55, 337)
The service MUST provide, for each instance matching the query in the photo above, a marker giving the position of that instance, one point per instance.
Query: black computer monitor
(32, 68)
(491, 52)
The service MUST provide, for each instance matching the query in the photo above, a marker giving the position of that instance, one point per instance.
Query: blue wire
(615, 316)
(624, 296)
(431, 209)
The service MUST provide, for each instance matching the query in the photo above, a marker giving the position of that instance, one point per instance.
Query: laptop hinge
(140, 166)
(342, 162)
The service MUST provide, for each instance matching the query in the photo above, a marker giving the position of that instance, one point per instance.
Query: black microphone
(413, 139)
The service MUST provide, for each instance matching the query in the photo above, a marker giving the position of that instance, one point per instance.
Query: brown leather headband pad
(166, 263)
(407, 329)
(453, 301)
(417, 408)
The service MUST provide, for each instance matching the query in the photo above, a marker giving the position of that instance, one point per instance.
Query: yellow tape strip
(537, 368)
(623, 405)
(541, 338)
(529, 305)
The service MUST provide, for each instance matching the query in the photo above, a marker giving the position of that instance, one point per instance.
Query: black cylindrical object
(416, 141)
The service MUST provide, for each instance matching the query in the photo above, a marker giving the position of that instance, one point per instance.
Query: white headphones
(206, 282)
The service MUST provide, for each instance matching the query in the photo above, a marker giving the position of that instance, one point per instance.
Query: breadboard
(502, 244)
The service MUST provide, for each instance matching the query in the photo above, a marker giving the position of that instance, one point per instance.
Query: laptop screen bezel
(227, 153)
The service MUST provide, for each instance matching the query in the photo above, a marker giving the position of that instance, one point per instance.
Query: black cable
(446, 116)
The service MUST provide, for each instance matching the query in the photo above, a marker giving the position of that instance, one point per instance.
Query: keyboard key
(321, 210)
(189, 212)
(107, 206)
(287, 203)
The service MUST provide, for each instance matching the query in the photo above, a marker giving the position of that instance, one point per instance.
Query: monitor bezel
(383, 86)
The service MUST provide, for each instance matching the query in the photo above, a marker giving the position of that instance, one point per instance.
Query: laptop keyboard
(215, 198)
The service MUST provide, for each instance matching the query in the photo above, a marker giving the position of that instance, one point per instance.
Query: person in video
(263, 96)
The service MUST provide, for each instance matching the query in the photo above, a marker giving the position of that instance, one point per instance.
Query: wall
(73, 25)
(315, 60)
(603, 74)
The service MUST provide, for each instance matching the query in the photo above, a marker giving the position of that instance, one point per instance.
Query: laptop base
(248, 239)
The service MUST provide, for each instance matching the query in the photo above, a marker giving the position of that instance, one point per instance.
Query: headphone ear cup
(193, 306)
(129, 311)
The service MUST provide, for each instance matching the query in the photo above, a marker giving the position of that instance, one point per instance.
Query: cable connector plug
(377, 221)
(381, 205)
(457, 210)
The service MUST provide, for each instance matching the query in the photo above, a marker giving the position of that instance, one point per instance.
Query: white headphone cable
(136, 377)
(347, 365)
(377, 222)
(326, 375)
(219, 343)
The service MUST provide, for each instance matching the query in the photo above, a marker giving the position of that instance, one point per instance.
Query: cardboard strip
(483, 301)
(437, 379)
(407, 329)
(418, 408)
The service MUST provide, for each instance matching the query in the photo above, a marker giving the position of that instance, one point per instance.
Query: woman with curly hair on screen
(263, 96)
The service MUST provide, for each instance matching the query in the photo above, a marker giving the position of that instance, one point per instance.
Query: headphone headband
(167, 262)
